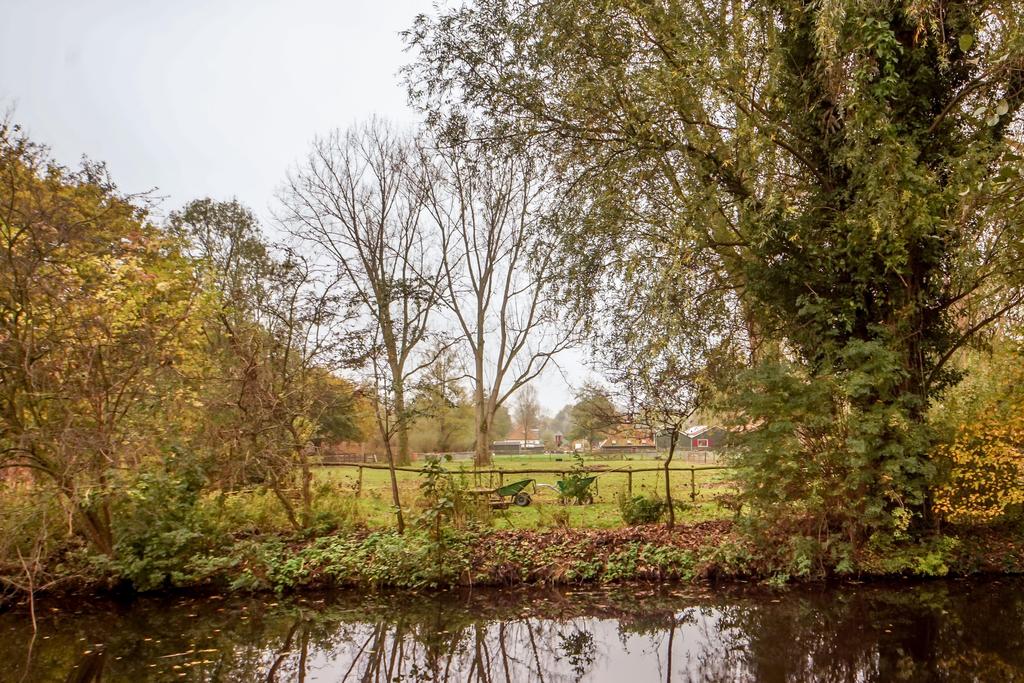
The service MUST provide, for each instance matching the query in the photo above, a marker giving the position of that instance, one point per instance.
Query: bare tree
(307, 335)
(527, 410)
(662, 394)
(359, 200)
(491, 209)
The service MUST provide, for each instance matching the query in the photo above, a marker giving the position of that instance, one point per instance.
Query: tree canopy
(840, 181)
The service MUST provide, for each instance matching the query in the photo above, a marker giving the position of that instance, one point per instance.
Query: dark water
(937, 631)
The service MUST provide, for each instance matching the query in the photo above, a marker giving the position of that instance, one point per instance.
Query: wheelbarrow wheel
(521, 499)
(588, 499)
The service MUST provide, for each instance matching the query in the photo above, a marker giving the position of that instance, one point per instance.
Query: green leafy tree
(593, 414)
(981, 422)
(841, 179)
(444, 419)
(502, 425)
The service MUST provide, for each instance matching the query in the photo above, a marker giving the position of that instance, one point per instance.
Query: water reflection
(955, 630)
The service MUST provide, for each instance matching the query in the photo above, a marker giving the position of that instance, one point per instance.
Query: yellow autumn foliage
(984, 457)
(987, 472)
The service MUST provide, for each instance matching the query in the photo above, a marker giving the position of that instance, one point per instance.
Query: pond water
(943, 630)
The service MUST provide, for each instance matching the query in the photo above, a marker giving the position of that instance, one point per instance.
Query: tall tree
(492, 208)
(225, 242)
(846, 176)
(230, 257)
(359, 200)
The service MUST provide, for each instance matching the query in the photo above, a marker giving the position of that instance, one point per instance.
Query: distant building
(626, 436)
(517, 443)
(702, 437)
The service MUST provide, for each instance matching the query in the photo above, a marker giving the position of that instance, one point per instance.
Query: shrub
(160, 525)
(28, 516)
(334, 507)
(250, 512)
(554, 517)
(642, 509)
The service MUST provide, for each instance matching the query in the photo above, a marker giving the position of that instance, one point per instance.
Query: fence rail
(681, 455)
(501, 472)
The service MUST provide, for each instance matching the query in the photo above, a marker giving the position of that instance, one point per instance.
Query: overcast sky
(203, 98)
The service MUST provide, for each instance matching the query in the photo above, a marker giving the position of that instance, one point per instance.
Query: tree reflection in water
(935, 631)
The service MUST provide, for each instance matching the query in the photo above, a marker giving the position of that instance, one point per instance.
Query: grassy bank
(242, 542)
(363, 558)
(614, 478)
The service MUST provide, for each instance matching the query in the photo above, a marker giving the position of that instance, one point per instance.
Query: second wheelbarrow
(501, 496)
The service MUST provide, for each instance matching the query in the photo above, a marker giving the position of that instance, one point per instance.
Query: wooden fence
(702, 456)
(478, 474)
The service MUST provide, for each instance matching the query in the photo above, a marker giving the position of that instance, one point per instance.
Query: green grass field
(374, 494)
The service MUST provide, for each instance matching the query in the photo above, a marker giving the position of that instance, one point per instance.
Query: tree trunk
(93, 519)
(484, 419)
(402, 459)
(395, 499)
(289, 509)
(482, 456)
(307, 492)
(305, 474)
(673, 437)
(96, 527)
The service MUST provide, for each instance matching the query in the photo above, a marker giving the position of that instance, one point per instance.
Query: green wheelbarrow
(576, 490)
(573, 489)
(499, 498)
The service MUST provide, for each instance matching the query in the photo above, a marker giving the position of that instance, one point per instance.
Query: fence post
(501, 479)
(359, 482)
(629, 482)
(693, 485)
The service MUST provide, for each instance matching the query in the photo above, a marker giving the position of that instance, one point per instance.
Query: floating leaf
(966, 41)
(1002, 107)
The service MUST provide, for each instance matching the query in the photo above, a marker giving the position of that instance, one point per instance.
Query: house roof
(696, 430)
(627, 435)
(516, 434)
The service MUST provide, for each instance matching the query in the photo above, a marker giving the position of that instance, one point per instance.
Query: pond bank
(704, 551)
